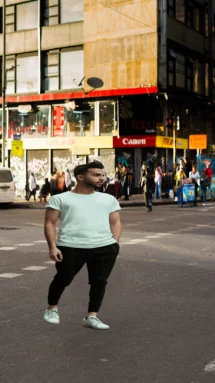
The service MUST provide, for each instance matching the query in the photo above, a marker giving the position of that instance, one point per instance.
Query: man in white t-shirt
(89, 234)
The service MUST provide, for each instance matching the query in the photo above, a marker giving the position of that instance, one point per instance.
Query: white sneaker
(52, 316)
(95, 323)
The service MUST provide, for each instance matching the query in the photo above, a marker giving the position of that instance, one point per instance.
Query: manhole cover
(8, 228)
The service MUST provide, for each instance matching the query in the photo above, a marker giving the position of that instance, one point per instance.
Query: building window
(63, 69)
(180, 71)
(198, 77)
(180, 10)
(30, 124)
(171, 72)
(106, 117)
(51, 12)
(190, 16)
(189, 75)
(206, 24)
(71, 11)
(171, 8)
(10, 19)
(22, 74)
(27, 15)
(214, 82)
(206, 79)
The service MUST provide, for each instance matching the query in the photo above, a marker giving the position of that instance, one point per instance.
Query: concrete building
(155, 60)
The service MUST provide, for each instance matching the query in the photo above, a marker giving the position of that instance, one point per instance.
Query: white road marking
(9, 275)
(210, 367)
(42, 241)
(206, 248)
(138, 240)
(8, 248)
(24, 244)
(34, 268)
(133, 241)
(34, 224)
(51, 262)
(159, 219)
(164, 234)
(153, 236)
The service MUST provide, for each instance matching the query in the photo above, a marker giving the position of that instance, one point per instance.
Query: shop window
(30, 124)
(81, 120)
(180, 10)
(107, 117)
(71, 11)
(51, 12)
(180, 71)
(27, 15)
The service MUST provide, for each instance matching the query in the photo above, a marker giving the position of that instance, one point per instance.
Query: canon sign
(134, 141)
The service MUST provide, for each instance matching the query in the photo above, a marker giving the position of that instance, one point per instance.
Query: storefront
(165, 145)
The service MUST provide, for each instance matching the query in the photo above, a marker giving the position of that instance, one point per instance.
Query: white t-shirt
(84, 219)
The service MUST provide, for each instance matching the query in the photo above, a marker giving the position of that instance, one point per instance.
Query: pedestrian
(204, 182)
(60, 183)
(195, 176)
(209, 174)
(180, 175)
(89, 234)
(142, 175)
(68, 180)
(187, 167)
(53, 183)
(117, 184)
(125, 183)
(148, 187)
(32, 187)
(158, 181)
(45, 190)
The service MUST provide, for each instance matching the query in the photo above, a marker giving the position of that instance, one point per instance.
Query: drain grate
(8, 228)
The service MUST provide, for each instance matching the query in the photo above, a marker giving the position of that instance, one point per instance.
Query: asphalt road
(159, 304)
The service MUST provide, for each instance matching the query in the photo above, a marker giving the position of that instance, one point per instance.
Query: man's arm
(115, 225)
(50, 234)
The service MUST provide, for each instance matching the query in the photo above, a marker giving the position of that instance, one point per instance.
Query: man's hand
(55, 254)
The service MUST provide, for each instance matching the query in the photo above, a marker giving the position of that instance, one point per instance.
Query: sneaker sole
(95, 328)
(52, 321)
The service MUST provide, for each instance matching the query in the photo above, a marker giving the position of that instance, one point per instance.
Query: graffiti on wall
(17, 165)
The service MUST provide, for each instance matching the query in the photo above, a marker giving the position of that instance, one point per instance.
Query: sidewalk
(135, 200)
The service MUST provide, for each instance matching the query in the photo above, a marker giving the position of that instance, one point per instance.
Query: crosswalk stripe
(24, 244)
(8, 248)
(10, 275)
(34, 268)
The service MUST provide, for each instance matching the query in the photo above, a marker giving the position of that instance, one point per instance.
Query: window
(106, 117)
(51, 12)
(71, 11)
(27, 74)
(190, 16)
(171, 72)
(180, 10)
(72, 68)
(21, 74)
(27, 15)
(63, 69)
(198, 19)
(206, 79)
(206, 24)
(180, 71)
(214, 82)
(198, 77)
(10, 19)
(81, 120)
(171, 8)
(30, 124)
(189, 75)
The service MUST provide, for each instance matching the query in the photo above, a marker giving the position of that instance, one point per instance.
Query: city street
(160, 303)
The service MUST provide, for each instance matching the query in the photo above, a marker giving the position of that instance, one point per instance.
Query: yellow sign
(198, 141)
(167, 142)
(17, 148)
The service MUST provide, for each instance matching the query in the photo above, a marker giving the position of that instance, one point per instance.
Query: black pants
(100, 262)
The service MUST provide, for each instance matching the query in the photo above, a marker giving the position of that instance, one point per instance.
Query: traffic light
(169, 122)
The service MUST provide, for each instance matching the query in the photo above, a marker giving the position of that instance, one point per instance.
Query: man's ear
(80, 177)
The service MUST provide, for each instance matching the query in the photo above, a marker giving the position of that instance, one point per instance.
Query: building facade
(154, 59)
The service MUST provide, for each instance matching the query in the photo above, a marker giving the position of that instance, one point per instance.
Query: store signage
(198, 141)
(17, 136)
(134, 141)
(17, 148)
(145, 127)
(58, 121)
(167, 142)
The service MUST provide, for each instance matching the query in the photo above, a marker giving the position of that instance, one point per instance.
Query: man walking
(89, 234)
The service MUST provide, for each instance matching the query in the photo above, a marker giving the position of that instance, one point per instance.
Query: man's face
(94, 178)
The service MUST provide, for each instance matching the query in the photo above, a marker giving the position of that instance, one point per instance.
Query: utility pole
(3, 83)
